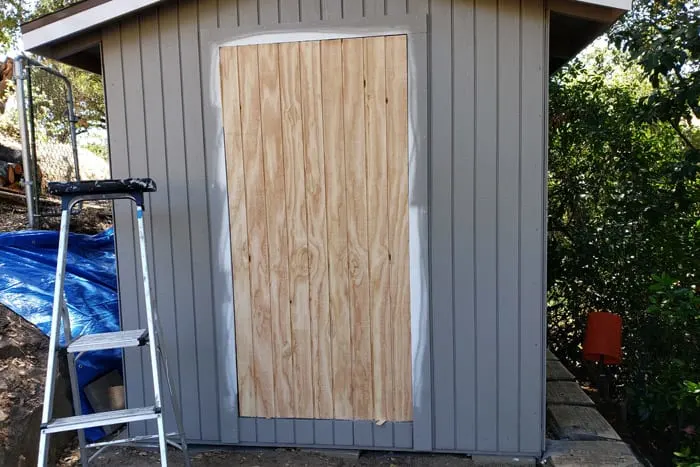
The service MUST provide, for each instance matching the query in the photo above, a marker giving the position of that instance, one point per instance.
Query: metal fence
(47, 124)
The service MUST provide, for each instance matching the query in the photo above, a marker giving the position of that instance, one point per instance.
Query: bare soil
(23, 350)
(268, 457)
(93, 218)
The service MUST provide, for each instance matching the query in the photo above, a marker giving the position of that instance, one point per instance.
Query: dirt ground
(93, 219)
(23, 350)
(21, 375)
(268, 457)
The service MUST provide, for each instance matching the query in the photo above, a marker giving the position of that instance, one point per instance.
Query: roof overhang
(573, 24)
(77, 19)
(69, 35)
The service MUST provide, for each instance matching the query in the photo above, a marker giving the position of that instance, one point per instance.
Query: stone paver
(567, 393)
(590, 454)
(580, 423)
(556, 371)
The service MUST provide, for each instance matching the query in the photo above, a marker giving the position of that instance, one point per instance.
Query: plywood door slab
(378, 225)
(257, 231)
(314, 164)
(337, 211)
(235, 175)
(317, 162)
(295, 183)
(275, 203)
(399, 282)
(356, 189)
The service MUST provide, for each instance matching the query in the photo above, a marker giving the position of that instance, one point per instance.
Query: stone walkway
(585, 438)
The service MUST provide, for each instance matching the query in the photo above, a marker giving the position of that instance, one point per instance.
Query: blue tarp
(27, 277)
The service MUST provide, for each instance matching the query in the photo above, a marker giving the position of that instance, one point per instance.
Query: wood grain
(356, 189)
(399, 288)
(337, 209)
(319, 305)
(257, 231)
(316, 138)
(238, 224)
(295, 184)
(378, 226)
(275, 202)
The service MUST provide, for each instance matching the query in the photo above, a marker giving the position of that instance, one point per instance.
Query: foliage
(51, 110)
(664, 38)
(49, 93)
(624, 209)
(624, 206)
(15, 12)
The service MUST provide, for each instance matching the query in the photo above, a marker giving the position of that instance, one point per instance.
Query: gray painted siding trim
(313, 30)
(419, 241)
(359, 434)
(545, 216)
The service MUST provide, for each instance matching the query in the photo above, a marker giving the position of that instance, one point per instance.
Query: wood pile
(11, 176)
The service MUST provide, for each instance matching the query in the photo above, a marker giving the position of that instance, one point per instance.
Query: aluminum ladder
(72, 193)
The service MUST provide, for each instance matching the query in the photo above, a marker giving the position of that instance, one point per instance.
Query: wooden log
(4, 166)
(12, 197)
(11, 178)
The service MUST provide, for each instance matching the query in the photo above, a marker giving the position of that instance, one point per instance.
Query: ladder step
(114, 417)
(109, 340)
(133, 439)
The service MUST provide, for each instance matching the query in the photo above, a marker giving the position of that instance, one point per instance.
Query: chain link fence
(51, 134)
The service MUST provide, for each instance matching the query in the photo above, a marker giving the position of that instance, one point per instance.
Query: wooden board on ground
(580, 423)
(556, 371)
(590, 454)
(568, 393)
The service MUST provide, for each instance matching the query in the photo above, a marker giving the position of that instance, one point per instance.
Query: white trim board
(82, 21)
(619, 4)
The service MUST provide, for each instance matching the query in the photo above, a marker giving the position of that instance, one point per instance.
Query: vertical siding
(463, 226)
(441, 252)
(533, 145)
(486, 127)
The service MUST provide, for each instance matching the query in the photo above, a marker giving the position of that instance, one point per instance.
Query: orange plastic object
(603, 338)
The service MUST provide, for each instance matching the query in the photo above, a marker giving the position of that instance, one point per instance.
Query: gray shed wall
(485, 117)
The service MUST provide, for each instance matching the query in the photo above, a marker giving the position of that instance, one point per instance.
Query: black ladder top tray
(123, 186)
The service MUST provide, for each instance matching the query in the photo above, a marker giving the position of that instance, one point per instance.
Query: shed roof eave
(77, 19)
(90, 14)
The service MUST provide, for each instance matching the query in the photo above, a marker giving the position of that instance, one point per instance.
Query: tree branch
(683, 136)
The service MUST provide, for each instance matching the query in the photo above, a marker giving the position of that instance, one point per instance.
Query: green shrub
(624, 204)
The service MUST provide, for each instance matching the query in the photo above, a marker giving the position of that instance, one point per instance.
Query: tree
(663, 37)
(624, 236)
(48, 92)
(15, 12)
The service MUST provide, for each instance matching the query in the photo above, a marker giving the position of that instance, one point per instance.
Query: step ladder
(72, 193)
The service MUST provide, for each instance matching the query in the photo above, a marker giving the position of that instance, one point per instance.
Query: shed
(349, 238)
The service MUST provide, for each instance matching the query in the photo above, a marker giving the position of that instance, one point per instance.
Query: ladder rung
(114, 417)
(109, 340)
(133, 439)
